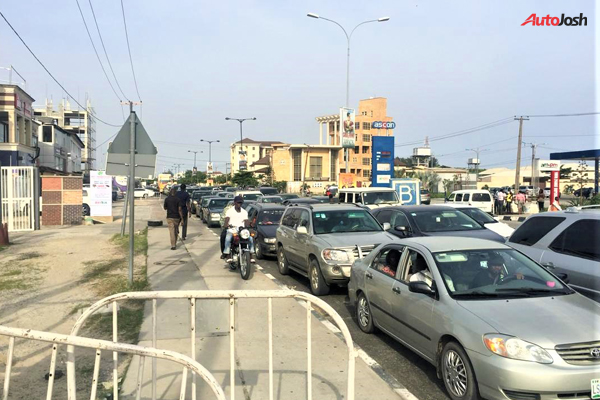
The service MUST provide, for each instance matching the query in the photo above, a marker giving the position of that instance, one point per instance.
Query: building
(317, 166)
(79, 122)
(18, 131)
(369, 111)
(60, 150)
(252, 152)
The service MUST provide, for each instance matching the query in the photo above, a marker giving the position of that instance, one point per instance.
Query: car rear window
(572, 242)
(534, 229)
(481, 197)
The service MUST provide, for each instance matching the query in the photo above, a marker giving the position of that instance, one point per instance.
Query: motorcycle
(240, 251)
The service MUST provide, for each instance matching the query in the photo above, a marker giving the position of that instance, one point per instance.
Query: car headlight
(215, 215)
(334, 256)
(270, 240)
(515, 348)
(244, 233)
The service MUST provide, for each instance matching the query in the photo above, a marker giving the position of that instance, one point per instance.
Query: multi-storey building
(253, 151)
(18, 131)
(79, 122)
(359, 158)
(59, 150)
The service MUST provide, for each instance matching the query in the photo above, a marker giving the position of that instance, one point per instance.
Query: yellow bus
(163, 180)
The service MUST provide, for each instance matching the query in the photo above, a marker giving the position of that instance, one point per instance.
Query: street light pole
(241, 121)
(477, 151)
(195, 152)
(348, 37)
(210, 142)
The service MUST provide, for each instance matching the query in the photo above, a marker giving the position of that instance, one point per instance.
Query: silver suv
(321, 241)
(566, 242)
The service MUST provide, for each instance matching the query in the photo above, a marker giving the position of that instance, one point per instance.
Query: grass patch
(140, 242)
(19, 276)
(129, 321)
(11, 284)
(14, 272)
(77, 308)
(28, 256)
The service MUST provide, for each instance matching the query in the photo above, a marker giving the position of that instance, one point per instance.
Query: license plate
(595, 388)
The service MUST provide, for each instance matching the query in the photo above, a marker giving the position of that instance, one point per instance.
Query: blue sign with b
(409, 190)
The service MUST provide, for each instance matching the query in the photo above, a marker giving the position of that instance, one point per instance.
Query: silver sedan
(494, 323)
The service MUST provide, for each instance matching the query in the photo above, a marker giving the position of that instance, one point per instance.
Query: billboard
(100, 194)
(347, 180)
(347, 118)
(243, 164)
(548, 165)
(409, 190)
(209, 168)
(382, 161)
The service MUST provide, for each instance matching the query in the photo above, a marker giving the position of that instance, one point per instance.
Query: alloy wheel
(363, 312)
(314, 278)
(455, 374)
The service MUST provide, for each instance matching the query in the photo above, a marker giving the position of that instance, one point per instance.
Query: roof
(437, 244)
(591, 154)
(266, 160)
(263, 142)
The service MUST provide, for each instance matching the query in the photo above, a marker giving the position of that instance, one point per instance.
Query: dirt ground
(47, 278)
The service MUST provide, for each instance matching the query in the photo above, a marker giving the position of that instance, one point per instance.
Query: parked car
(564, 242)
(587, 192)
(485, 219)
(287, 196)
(249, 194)
(265, 218)
(372, 197)
(140, 193)
(322, 199)
(86, 210)
(200, 212)
(493, 322)
(212, 211)
(321, 241)
(425, 197)
(268, 191)
(407, 221)
(195, 201)
(150, 192)
(300, 200)
(270, 199)
(479, 198)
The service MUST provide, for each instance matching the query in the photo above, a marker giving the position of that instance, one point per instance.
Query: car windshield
(344, 221)
(268, 191)
(380, 198)
(495, 273)
(272, 199)
(444, 221)
(218, 203)
(478, 215)
(249, 196)
(270, 217)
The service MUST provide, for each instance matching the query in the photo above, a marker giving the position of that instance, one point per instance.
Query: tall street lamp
(210, 142)
(241, 121)
(348, 37)
(195, 152)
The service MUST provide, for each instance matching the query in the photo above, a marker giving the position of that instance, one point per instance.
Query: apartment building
(60, 150)
(252, 151)
(370, 111)
(18, 130)
(79, 122)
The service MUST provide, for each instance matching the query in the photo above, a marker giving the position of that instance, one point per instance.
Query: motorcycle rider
(236, 217)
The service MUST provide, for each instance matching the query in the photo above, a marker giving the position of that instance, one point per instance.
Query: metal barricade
(232, 296)
(99, 345)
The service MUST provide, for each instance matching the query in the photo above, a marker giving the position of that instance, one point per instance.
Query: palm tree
(429, 180)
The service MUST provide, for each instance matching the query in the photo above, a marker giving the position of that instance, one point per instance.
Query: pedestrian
(500, 196)
(174, 215)
(331, 200)
(520, 199)
(555, 206)
(509, 201)
(186, 209)
(540, 199)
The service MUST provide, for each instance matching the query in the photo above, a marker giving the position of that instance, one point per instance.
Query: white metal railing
(232, 295)
(99, 345)
(19, 187)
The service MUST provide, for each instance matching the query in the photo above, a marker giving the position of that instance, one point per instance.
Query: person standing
(186, 208)
(555, 205)
(520, 198)
(500, 202)
(509, 201)
(540, 199)
(174, 215)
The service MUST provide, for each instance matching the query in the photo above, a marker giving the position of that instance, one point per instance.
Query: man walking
(174, 215)
(509, 201)
(500, 202)
(186, 208)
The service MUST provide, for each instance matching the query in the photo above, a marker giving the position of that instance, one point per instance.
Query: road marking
(331, 326)
(270, 276)
(259, 267)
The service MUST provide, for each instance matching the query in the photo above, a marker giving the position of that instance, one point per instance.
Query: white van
(481, 199)
(249, 194)
(371, 197)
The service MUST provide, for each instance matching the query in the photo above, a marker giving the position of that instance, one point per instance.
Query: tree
(281, 186)
(190, 179)
(581, 177)
(447, 185)
(244, 178)
(565, 173)
(430, 180)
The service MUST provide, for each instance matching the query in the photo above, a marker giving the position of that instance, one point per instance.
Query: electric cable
(129, 50)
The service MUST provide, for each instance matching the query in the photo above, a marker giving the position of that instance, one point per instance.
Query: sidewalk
(197, 266)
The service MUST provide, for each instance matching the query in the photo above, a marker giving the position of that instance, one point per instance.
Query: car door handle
(549, 265)
(369, 275)
(396, 290)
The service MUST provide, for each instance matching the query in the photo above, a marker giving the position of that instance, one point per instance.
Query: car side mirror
(404, 229)
(563, 277)
(386, 226)
(421, 287)
(302, 230)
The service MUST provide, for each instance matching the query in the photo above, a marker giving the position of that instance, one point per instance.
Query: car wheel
(364, 315)
(259, 253)
(86, 210)
(318, 286)
(145, 196)
(282, 263)
(457, 373)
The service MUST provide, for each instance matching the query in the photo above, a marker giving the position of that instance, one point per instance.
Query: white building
(59, 149)
(252, 152)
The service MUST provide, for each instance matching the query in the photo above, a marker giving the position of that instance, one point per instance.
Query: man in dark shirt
(174, 215)
(184, 197)
(494, 274)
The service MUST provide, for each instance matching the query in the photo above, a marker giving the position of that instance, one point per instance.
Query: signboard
(100, 194)
(117, 160)
(554, 185)
(209, 168)
(548, 165)
(383, 125)
(382, 161)
(347, 117)
(347, 180)
(409, 190)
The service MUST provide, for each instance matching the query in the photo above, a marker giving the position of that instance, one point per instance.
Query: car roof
(269, 206)
(271, 196)
(367, 189)
(417, 208)
(470, 191)
(572, 213)
(331, 207)
(247, 192)
(437, 244)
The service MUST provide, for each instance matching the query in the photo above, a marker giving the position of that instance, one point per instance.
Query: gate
(19, 192)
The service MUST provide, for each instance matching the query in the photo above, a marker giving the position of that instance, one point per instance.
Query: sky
(443, 66)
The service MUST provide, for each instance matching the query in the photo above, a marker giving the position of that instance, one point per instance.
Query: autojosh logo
(534, 20)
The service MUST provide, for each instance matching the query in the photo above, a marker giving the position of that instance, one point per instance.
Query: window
(366, 161)
(366, 126)
(458, 197)
(572, 242)
(534, 229)
(387, 261)
(466, 197)
(366, 137)
(384, 216)
(481, 197)
(3, 132)
(47, 134)
(356, 126)
(366, 173)
(291, 218)
(297, 160)
(416, 269)
(399, 219)
(365, 150)
(304, 219)
(316, 167)
(354, 159)
(339, 221)
(356, 150)
(333, 166)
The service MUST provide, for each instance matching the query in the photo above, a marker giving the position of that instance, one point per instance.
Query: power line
(564, 115)
(105, 52)
(559, 136)
(129, 50)
(52, 76)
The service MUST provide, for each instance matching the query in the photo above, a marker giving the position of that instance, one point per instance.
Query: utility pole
(533, 148)
(519, 144)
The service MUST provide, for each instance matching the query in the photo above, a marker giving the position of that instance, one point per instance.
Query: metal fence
(99, 345)
(232, 296)
(19, 192)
